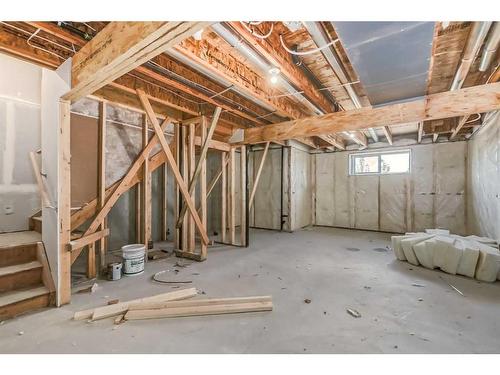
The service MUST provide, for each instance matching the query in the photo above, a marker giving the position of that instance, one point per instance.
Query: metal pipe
(491, 47)
(474, 43)
(261, 63)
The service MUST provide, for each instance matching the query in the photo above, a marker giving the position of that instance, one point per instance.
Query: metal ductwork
(476, 38)
(491, 47)
(320, 38)
(261, 63)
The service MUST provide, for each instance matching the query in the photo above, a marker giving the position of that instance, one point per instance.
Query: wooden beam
(19, 47)
(470, 100)
(360, 138)
(124, 185)
(203, 155)
(44, 196)
(64, 208)
(146, 188)
(191, 167)
(273, 52)
(388, 134)
(223, 62)
(59, 32)
(170, 158)
(87, 240)
(164, 202)
(333, 140)
(121, 47)
(257, 176)
(420, 133)
(459, 126)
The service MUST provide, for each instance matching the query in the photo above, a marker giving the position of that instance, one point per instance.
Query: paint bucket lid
(133, 250)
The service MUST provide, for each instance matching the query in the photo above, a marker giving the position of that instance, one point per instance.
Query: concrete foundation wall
(484, 179)
(20, 133)
(432, 195)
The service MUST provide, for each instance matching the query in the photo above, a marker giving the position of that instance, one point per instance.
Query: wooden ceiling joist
(121, 47)
(333, 140)
(475, 99)
(388, 134)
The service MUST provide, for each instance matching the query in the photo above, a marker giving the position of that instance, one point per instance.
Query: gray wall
(484, 179)
(432, 195)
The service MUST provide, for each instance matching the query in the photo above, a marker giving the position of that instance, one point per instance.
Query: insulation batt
(470, 256)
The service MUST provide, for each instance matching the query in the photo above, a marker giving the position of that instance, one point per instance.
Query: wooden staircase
(25, 280)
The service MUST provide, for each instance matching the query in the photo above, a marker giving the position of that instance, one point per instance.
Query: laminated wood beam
(257, 176)
(175, 170)
(202, 158)
(121, 47)
(124, 185)
(462, 102)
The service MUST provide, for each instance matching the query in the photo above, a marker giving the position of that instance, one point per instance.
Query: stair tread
(37, 218)
(26, 237)
(9, 270)
(21, 295)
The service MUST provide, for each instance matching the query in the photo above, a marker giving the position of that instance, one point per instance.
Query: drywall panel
(484, 179)
(19, 134)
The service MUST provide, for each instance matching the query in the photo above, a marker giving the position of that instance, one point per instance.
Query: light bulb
(274, 79)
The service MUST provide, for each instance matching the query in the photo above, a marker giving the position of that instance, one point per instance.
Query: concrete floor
(334, 268)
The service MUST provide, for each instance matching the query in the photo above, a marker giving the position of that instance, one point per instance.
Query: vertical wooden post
(232, 201)
(203, 186)
(164, 192)
(223, 225)
(177, 142)
(184, 242)
(64, 193)
(101, 179)
(146, 189)
(243, 195)
(192, 166)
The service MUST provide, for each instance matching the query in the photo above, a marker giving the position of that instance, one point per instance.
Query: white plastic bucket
(133, 259)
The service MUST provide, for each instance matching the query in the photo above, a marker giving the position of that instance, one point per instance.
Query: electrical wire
(305, 53)
(260, 36)
(474, 119)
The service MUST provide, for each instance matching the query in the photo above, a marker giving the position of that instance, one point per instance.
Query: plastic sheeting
(432, 195)
(484, 179)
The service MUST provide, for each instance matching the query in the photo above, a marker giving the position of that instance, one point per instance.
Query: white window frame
(379, 154)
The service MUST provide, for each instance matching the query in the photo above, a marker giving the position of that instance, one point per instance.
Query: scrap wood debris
(169, 305)
(353, 313)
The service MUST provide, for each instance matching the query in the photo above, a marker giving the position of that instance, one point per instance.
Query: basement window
(374, 163)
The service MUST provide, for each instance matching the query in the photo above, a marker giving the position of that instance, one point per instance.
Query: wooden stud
(420, 131)
(173, 165)
(164, 195)
(191, 164)
(257, 177)
(231, 198)
(243, 195)
(388, 134)
(64, 155)
(44, 196)
(223, 226)
(185, 172)
(177, 142)
(91, 262)
(101, 178)
(203, 185)
(146, 189)
(202, 158)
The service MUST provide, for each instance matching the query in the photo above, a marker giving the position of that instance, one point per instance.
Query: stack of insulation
(472, 256)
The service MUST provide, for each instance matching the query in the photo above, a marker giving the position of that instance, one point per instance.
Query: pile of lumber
(472, 256)
(170, 305)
